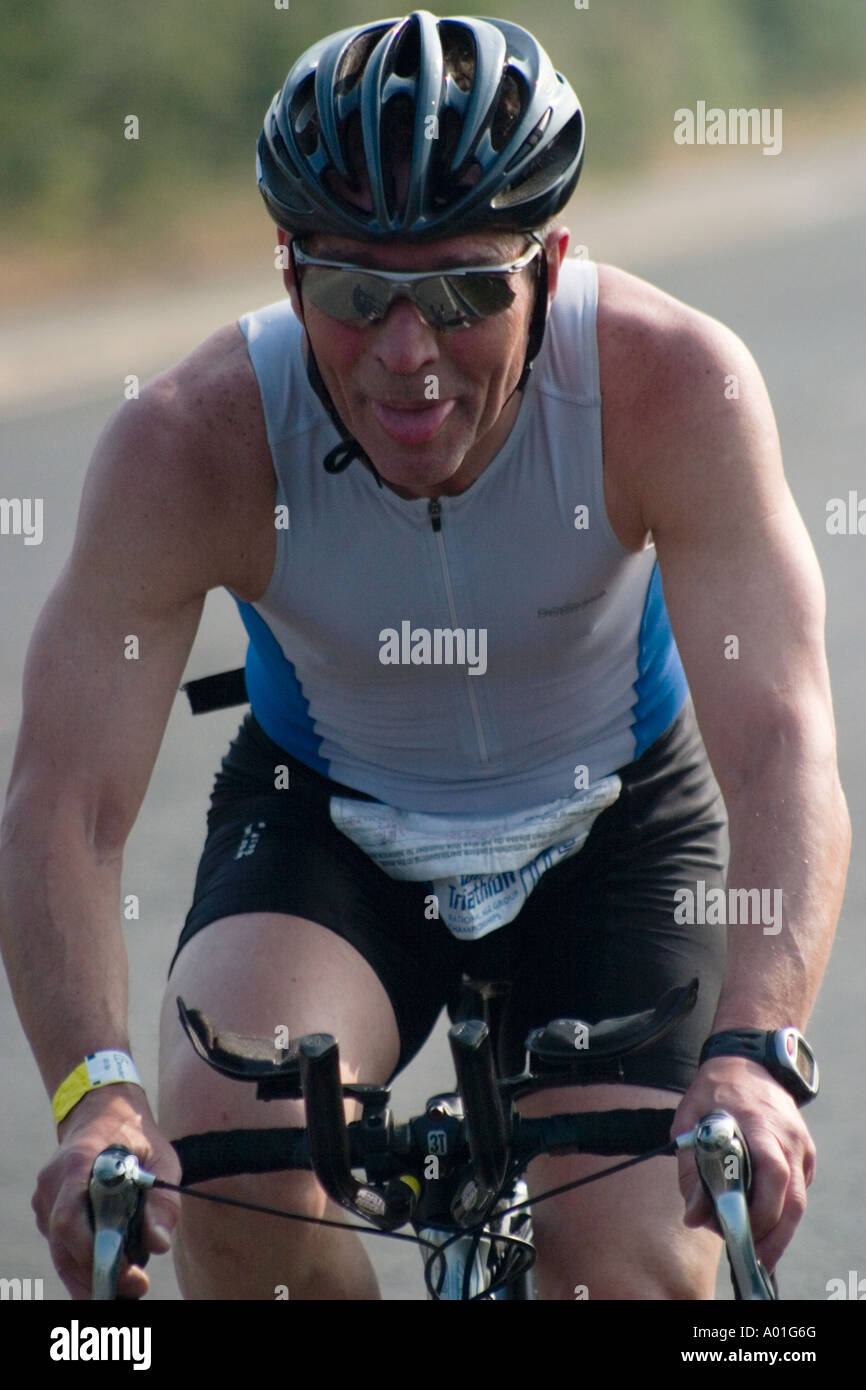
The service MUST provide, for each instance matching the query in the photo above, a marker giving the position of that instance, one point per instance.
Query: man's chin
(418, 474)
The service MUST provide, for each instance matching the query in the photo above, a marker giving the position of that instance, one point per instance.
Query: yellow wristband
(97, 1069)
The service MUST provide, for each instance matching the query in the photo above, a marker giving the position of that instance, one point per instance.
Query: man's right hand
(119, 1114)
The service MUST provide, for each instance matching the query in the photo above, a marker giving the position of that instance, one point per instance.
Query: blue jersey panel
(661, 687)
(276, 694)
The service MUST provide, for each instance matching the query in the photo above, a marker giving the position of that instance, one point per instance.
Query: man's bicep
(110, 646)
(747, 611)
(741, 580)
(98, 687)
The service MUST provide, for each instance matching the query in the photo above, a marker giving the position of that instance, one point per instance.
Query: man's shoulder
(193, 447)
(668, 375)
(202, 417)
(645, 324)
(650, 344)
(209, 392)
(689, 411)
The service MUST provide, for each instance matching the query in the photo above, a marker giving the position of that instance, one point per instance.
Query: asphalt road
(793, 287)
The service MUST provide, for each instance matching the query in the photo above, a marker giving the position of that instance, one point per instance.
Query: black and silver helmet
(491, 134)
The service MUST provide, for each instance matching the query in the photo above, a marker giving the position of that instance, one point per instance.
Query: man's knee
(227, 1252)
(645, 1266)
(620, 1236)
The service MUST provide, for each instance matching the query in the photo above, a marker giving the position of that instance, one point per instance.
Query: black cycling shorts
(596, 937)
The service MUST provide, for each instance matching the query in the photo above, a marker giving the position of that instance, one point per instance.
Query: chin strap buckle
(337, 460)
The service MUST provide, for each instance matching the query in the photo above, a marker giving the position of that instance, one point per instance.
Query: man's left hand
(780, 1148)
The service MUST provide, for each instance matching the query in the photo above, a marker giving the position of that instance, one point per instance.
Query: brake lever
(116, 1195)
(722, 1159)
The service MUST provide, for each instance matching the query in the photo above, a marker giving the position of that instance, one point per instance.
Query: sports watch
(783, 1051)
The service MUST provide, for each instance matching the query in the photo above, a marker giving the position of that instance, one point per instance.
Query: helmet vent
(283, 155)
(303, 117)
(352, 192)
(308, 135)
(406, 53)
(529, 145)
(512, 99)
(397, 131)
(549, 165)
(450, 129)
(359, 201)
(458, 55)
(354, 61)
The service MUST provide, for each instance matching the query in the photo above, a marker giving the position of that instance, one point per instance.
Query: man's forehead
(475, 249)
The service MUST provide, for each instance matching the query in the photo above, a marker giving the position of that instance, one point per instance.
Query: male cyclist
(444, 480)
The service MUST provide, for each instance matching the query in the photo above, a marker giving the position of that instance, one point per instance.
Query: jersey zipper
(434, 507)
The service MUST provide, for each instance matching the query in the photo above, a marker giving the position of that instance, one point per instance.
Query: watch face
(803, 1061)
(798, 1056)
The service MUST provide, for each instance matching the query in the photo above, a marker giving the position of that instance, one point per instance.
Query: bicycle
(455, 1173)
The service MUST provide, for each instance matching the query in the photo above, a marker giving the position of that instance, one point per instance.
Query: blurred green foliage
(200, 73)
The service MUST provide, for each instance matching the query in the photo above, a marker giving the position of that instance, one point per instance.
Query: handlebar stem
(488, 1127)
(328, 1138)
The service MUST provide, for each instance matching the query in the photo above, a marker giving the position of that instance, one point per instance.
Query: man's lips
(414, 422)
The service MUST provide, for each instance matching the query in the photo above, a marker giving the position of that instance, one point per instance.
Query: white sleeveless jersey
(485, 654)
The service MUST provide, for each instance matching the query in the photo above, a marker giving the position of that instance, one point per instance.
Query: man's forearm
(790, 838)
(61, 939)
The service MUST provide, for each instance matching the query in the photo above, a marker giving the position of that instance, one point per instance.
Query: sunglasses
(447, 299)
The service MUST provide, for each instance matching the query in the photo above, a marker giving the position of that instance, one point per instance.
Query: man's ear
(555, 248)
(283, 239)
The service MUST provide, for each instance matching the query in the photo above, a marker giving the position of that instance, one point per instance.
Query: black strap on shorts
(217, 692)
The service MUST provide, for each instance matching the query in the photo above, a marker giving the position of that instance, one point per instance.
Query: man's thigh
(265, 974)
(621, 1237)
(260, 974)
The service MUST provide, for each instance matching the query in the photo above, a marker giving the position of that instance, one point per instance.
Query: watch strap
(750, 1043)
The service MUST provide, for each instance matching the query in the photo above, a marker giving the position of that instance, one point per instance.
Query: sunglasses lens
(349, 296)
(446, 301)
(453, 301)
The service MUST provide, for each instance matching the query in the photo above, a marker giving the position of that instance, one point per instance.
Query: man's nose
(404, 342)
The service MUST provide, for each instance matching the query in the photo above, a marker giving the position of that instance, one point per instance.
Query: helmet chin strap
(538, 322)
(337, 460)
